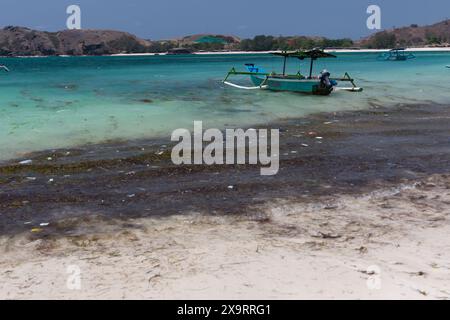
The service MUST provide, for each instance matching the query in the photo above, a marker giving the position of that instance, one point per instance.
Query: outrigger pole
(311, 68)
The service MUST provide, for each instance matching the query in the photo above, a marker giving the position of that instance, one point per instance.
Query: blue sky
(161, 19)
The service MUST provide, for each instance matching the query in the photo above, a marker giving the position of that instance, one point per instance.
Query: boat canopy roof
(312, 54)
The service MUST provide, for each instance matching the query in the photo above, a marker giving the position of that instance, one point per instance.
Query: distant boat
(319, 85)
(398, 54)
(176, 51)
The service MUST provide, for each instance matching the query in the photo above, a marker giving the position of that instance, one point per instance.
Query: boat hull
(307, 86)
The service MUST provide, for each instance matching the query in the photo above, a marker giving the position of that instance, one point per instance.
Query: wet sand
(373, 191)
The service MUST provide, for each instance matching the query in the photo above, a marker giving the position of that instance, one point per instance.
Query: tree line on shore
(381, 40)
(258, 43)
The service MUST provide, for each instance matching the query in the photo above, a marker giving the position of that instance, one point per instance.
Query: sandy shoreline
(324, 250)
(442, 49)
(431, 49)
(371, 194)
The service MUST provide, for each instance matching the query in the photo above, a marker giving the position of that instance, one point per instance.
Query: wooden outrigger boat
(396, 55)
(320, 85)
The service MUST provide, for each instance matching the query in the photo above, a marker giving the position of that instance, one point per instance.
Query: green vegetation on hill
(267, 43)
(258, 43)
(382, 40)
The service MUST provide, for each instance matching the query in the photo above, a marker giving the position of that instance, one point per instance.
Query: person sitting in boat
(325, 80)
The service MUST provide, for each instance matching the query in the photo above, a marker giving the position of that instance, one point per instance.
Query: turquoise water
(56, 102)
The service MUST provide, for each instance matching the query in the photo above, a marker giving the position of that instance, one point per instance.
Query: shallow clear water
(59, 102)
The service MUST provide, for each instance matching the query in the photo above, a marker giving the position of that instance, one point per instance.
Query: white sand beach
(149, 54)
(427, 49)
(390, 244)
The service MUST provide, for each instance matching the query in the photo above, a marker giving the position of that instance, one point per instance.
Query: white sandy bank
(331, 249)
(443, 49)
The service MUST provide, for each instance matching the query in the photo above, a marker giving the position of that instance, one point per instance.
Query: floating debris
(363, 250)
(325, 235)
(419, 273)
(422, 292)
(146, 100)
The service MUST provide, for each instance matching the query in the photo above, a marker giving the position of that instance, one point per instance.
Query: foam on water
(59, 102)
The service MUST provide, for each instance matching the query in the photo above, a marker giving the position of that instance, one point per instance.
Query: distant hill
(413, 36)
(19, 41)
